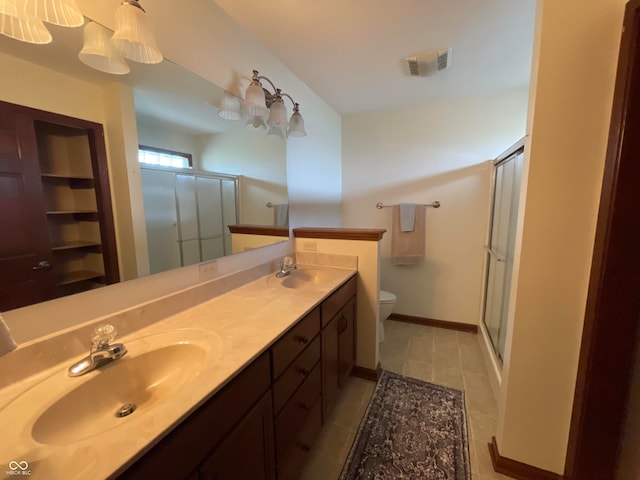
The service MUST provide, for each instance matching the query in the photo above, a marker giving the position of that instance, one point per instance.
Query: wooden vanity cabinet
(338, 342)
(263, 424)
(200, 446)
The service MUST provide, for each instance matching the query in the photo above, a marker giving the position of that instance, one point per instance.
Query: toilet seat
(386, 297)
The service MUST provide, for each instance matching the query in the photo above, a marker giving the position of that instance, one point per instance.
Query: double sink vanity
(235, 387)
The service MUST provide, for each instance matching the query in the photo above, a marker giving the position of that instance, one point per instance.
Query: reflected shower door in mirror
(186, 214)
(163, 106)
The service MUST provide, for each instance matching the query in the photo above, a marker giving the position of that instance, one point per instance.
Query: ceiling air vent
(427, 63)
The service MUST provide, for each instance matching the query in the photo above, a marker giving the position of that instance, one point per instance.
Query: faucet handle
(287, 261)
(103, 335)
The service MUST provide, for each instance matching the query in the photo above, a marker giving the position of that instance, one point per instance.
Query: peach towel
(407, 248)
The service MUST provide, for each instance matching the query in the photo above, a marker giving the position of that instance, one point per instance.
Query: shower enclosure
(500, 247)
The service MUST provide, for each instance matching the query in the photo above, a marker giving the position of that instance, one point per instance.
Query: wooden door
(25, 254)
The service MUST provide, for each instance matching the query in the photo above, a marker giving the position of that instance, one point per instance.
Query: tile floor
(436, 355)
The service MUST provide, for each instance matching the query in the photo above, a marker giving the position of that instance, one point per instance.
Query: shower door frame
(492, 257)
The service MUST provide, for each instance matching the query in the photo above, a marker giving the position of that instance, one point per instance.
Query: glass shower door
(500, 249)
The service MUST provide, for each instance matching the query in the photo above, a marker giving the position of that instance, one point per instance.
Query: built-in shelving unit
(67, 167)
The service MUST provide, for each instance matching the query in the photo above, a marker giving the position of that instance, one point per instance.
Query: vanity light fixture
(134, 35)
(99, 52)
(57, 12)
(259, 102)
(16, 23)
(230, 107)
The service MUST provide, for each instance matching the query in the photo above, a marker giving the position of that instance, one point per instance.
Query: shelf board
(69, 176)
(79, 276)
(70, 212)
(75, 244)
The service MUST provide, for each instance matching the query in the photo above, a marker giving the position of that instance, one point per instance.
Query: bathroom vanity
(263, 423)
(236, 384)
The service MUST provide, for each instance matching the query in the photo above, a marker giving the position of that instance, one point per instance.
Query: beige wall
(368, 254)
(439, 151)
(261, 162)
(572, 88)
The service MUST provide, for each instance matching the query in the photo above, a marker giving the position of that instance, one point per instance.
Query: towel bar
(435, 204)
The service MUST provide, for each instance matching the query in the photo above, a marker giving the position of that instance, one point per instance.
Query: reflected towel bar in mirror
(435, 204)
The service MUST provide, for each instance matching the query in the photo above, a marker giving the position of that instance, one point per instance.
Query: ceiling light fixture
(16, 23)
(259, 102)
(100, 53)
(134, 35)
(57, 12)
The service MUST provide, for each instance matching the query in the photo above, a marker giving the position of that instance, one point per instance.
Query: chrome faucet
(101, 351)
(286, 267)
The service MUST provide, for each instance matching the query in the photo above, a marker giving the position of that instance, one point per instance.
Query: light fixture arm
(277, 92)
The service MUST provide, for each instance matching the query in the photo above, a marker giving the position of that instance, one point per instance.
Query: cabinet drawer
(295, 412)
(332, 305)
(297, 454)
(295, 374)
(294, 341)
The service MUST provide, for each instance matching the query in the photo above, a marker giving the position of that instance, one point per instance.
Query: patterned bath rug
(411, 430)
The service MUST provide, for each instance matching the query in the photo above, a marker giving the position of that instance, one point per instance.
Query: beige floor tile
(321, 467)
(450, 377)
(420, 349)
(393, 364)
(481, 427)
(421, 331)
(450, 361)
(465, 338)
(477, 384)
(447, 347)
(419, 370)
(397, 329)
(334, 441)
(348, 410)
(394, 345)
(445, 335)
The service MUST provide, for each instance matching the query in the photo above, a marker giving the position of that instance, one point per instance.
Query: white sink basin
(68, 410)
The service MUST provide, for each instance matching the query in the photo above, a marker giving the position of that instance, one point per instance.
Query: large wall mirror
(165, 217)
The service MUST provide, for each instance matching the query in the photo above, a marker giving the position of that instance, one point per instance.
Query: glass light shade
(16, 23)
(296, 126)
(278, 113)
(255, 103)
(276, 130)
(255, 122)
(134, 35)
(100, 53)
(230, 107)
(58, 12)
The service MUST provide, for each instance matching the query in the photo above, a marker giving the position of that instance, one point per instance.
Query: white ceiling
(350, 52)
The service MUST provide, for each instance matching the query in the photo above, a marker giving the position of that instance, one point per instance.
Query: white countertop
(240, 325)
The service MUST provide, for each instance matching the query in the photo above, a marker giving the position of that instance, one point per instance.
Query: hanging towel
(407, 217)
(281, 215)
(407, 248)
(7, 344)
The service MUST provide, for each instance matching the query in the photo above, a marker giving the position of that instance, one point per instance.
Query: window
(164, 158)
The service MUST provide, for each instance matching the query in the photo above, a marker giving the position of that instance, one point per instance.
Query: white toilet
(386, 301)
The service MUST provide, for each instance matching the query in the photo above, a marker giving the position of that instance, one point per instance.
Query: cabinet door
(24, 237)
(247, 451)
(346, 341)
(330, 361)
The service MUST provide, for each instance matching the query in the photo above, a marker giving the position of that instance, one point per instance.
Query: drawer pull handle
(304, 447)
(301, 339)
(304, 371)
(304, 406)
